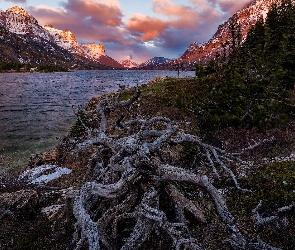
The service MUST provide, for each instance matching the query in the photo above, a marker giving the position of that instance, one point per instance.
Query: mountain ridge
(245, 18)
(19, 22)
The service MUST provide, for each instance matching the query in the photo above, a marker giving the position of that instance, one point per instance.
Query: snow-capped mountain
(246, 17)
(154, 63)
(93, 52)
(16, 20)
(129, 63)
(16, 48)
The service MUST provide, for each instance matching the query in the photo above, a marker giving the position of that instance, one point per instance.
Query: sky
(140, 29)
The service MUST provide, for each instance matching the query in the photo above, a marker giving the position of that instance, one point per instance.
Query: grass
(274, 185)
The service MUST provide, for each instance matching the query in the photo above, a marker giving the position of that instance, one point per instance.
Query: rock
(43, 174)
(48, 157)
(23, 202)
(51, 211)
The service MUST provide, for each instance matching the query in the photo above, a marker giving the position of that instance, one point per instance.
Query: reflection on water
(35, 109)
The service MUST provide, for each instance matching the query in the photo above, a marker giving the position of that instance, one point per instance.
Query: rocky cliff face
(94, 50)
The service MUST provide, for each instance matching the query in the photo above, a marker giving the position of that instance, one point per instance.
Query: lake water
(35, 109)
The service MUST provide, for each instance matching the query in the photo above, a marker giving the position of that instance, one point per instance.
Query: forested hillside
(252, 83)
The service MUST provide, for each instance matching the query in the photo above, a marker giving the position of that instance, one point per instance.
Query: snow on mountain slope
(18, 21)
(128, 63)
(64, 38)
(155, 61)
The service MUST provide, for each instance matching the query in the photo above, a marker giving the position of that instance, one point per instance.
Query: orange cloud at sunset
(168, 8)
(147, 28)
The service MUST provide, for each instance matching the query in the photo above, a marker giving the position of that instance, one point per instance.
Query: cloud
(100, 13)
(231, 6)
(228, 7)
(167, 32)
(144, 27)
(110, 2)
(168, 8)
(180, 26)
(87, 19)
(16, 1)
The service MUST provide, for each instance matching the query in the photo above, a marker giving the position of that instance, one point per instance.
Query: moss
(274, 185)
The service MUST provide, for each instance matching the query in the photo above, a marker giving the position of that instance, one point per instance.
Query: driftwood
(123, 206)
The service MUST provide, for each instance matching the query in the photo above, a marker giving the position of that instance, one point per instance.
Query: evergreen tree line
(24, 67)
(252, 83)
(6, 66)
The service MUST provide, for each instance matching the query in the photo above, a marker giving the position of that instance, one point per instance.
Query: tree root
(134, 180)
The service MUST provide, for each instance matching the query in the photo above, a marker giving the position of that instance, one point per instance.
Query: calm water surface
(35, 109)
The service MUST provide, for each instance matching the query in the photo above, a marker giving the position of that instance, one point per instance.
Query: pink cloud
(231, 6)
(88, 19)
(200, 13)
(167, 8)
(98, 12)
(170, 31)
(16, 1)
(144, 27)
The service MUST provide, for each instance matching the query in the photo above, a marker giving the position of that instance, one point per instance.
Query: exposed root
(122, 207)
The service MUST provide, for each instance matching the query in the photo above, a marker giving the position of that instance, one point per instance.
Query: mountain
(94, 50)
(17, 21)
(154, 63)
(63, 38)
(97, 53)
(245, 18)
(32, 50)
(129, 63)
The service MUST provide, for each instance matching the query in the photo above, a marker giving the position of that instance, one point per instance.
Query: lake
(37, 108)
